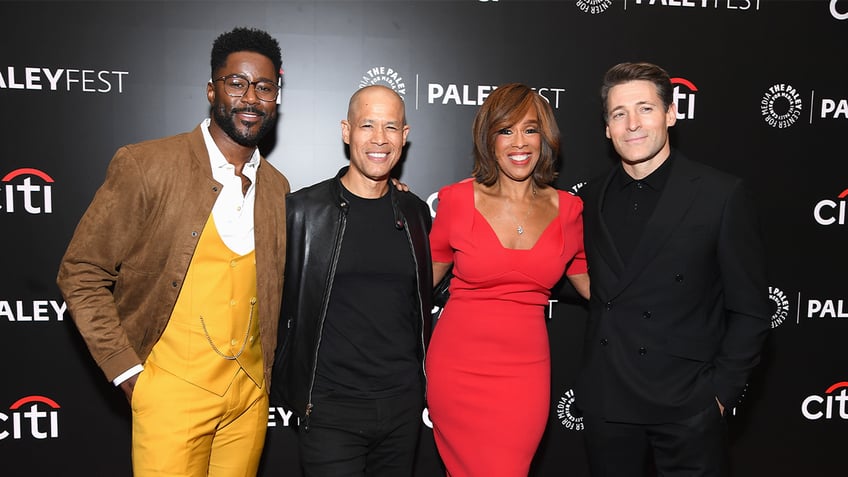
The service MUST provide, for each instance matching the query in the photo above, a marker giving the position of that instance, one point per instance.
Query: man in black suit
(679, 304)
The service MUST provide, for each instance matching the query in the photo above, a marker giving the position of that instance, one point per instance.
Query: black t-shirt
(370, 342)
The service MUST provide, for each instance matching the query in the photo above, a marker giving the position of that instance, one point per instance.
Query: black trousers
(692, 447)
(362, 437)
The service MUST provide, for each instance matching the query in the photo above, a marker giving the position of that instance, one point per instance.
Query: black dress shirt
(629, 203)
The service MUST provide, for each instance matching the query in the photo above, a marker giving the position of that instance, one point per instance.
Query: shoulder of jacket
(318, 194)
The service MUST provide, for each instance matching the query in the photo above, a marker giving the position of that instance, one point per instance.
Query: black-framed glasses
(237, 86)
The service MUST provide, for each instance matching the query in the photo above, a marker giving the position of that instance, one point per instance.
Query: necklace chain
(520, 228)
(243, 343)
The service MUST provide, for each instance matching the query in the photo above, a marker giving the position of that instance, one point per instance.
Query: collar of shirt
(233, 210)
(220, 166)
(655, 180)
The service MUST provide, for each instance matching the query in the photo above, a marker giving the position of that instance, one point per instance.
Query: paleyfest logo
(781, 106)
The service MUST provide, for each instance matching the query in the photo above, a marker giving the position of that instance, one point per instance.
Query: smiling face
(517, 147)
(245, 120)
(637, 123)
(376, 133)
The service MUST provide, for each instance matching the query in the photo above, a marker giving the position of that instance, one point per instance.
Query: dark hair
(626, 72)
(245, 39)
(504, 107)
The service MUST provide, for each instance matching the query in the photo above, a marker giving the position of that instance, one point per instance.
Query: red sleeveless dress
(488, 363)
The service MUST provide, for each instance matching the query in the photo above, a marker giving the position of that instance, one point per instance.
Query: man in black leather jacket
(356, 304)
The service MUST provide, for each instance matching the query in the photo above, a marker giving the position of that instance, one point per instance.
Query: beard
(249, 135)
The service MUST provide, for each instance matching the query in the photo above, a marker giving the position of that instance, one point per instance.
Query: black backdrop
(761, 87)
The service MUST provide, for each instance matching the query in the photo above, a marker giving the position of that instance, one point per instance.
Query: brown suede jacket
(126, 262)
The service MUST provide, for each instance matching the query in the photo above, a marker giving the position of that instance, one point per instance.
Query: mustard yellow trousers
(182, 430)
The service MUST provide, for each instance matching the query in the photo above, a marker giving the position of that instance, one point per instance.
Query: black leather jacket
(316, 217)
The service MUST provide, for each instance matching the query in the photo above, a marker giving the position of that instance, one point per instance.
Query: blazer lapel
(603, 240)
(680, 190)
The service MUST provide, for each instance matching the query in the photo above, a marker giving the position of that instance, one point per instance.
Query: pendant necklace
(519, 228)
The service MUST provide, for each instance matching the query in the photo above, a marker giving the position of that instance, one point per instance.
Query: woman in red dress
(509, 236)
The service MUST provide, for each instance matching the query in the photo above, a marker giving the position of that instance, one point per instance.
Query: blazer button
(678, 278)
(646, 315)
(608, 306)
(643, 351)
(604, 341)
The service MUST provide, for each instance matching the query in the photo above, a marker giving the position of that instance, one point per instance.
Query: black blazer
(685, 320)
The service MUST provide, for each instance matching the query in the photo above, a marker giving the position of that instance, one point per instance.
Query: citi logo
(831, 212)
(18, 190)
(830, 406)
(684, 102)
(31, 416)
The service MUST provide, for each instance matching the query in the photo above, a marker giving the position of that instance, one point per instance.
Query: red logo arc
(835, 386)
(684, 82)
(27, 171)
(24, 400)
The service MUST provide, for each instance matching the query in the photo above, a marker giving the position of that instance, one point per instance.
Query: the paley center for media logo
(839, 9)
(593, 7)
(385, 76)
(782, 106)
(567, 414)
(781, 306)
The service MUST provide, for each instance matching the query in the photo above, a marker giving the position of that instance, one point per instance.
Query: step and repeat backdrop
(761, 92)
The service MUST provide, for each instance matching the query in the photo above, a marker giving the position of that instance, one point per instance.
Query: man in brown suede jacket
(174, 275)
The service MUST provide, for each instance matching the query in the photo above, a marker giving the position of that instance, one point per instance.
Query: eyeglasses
(237, 86)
